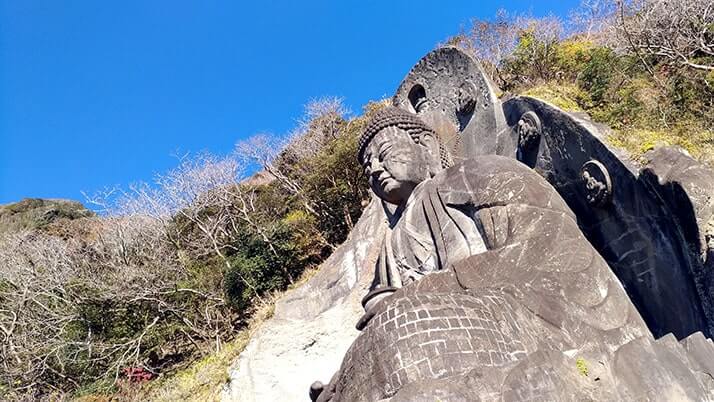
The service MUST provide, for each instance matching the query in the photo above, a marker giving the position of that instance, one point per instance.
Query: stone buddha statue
(486, 289)
(400, 155)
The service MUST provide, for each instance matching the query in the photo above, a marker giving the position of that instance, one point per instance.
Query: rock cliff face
(539, 315)
(313, 325)
(644, 221)
(644, 233)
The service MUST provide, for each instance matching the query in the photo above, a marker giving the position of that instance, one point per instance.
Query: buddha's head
(398, 151)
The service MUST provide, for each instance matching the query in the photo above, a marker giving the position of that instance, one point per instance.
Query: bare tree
(322, 119)
(494, 42)
(55, 291)
(593, 20)
(545, 34)
(204, 193)
(264, 150)
(325, 119)
(679, 32)
(49, 284)
(59, 292)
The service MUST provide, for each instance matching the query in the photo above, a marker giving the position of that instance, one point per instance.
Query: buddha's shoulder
(495, 180)
(486, 167)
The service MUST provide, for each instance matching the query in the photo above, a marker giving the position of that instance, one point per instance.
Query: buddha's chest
(429, 236)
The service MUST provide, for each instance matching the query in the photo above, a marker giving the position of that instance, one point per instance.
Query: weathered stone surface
(560, 270)
(687, 188)
(681, 180)
(487, 289)
(622, 214)
(540, 290)
(313, 325)
(451, 93)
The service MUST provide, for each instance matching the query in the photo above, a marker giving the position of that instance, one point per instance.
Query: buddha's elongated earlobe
(431, 146)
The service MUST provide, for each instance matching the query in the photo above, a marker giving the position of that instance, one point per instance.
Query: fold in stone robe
(408, 253)
(509, 322)
(440, 223)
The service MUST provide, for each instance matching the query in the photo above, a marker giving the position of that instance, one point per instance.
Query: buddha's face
(395, 164)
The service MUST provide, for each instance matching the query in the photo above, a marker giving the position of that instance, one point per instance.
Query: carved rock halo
(450, 91)
(596, 183)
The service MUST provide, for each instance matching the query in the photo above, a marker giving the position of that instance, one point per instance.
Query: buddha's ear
(429, 141)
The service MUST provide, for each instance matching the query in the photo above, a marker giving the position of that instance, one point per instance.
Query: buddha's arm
(386, 281)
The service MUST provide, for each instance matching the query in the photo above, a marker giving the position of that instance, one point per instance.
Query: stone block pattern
(431, 336)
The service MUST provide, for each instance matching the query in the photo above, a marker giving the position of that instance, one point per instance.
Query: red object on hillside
(137, 374)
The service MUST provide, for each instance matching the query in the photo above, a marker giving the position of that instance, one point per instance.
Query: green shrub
(246, 278)
(571, 58)
(596, 73)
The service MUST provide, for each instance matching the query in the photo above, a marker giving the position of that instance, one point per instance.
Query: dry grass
(306, 276)
(699, 143)
(565, 97)
(204, 379)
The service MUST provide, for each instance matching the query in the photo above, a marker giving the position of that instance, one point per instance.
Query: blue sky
(98, 93)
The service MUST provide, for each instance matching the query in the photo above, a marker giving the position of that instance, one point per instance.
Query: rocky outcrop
(539, 315)
(35, 213)
(313, 325)
(647, 220)
(608, 298)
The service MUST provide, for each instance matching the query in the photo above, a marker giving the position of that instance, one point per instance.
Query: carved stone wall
(539, 316)
(650, 222)
(450, 92)
(643, 220)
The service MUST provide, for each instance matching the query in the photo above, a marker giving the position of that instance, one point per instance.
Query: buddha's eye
(384, 150)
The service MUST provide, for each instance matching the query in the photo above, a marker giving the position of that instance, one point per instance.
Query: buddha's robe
(522, 293)
(442, 222)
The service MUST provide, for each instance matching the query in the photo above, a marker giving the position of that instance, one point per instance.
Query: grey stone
(515, 256)
(644, 220)
(487, 288)
(450, 92)
(509, 264)
(687, 189)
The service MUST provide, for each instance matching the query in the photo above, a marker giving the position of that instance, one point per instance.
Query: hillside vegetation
(154, 296)
(171, 271)
(35, 213)
(645, 68)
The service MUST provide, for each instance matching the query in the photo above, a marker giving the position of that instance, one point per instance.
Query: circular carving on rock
(598, 186)
(529, 131)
